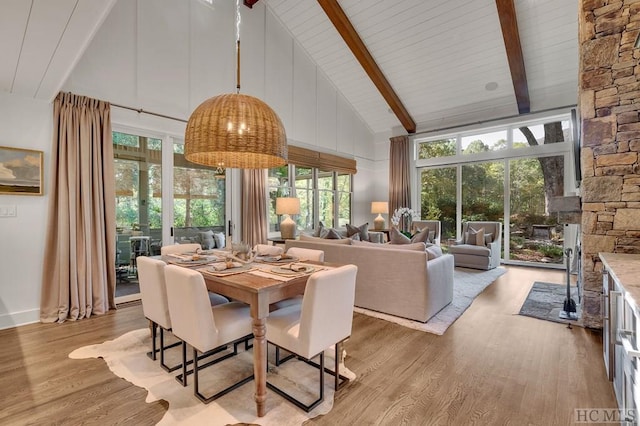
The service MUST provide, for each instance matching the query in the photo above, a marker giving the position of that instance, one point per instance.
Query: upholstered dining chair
(206, 329)
(302, 254)
(179, 248)
(153, 293)
(323, 319)
(306, 254)
(214, 298)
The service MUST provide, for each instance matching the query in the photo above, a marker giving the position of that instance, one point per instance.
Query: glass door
(138, 174)
(438, 199)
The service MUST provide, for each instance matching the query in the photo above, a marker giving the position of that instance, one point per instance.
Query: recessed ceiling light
(491, 86)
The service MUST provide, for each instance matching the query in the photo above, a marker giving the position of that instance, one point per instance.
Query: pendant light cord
(238, 19)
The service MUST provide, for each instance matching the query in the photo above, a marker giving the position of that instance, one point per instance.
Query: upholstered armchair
(433, 225)
(479, 247)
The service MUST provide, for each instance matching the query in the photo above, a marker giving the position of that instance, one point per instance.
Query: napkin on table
(222, 266)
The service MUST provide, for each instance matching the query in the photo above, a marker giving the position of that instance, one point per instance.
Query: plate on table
(278, 259)
(297, 270)
(192, 262)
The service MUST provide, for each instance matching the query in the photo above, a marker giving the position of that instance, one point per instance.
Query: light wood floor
(491, 367)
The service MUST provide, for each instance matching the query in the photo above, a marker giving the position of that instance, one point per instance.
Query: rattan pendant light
(235, 130)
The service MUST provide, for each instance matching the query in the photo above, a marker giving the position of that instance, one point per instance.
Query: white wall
(167, 56)
(24, 123)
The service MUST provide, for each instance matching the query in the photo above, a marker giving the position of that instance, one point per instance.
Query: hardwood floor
(491, 367)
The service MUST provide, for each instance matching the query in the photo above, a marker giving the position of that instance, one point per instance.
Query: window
(507, 174)
(325, 196)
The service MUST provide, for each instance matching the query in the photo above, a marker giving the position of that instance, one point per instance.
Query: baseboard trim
(16, 319)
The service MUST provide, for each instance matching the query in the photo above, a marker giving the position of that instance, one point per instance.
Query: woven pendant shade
(237, 131)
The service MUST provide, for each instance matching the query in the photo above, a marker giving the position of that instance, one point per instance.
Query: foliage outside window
(324, 196)
(529, 156)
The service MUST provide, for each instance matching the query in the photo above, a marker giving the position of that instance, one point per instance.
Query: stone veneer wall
(609, 101)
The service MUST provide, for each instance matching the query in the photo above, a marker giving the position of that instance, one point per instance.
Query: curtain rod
(141, 111)
(492, 120)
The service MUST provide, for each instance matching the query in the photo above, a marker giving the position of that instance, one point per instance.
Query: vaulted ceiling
(445, 60)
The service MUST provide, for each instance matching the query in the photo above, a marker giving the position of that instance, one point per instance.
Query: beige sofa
(392, 280)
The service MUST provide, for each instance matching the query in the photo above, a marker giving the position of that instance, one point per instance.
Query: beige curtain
(254, 206)
(79, 262)
(399, 180)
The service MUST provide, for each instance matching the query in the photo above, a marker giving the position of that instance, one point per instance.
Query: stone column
(609, 101)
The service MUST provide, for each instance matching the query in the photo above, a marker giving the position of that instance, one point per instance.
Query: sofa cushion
(362, 230)
(304, 237)
(389, 246)
(470, 249)
(221, 239)
(397, 237)
(206, 240)
(433, 252)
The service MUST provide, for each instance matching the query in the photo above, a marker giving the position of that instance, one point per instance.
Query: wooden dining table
(258, 292)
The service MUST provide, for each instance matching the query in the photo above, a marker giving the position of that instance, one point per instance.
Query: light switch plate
(8, 210)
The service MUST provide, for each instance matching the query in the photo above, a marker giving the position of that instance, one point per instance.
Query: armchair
(433, 225)
(479, 247)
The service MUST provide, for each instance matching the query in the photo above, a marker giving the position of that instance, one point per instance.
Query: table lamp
(379, 207)
(287, 206)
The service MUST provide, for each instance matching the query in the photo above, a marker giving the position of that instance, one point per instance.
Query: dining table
(259, 288)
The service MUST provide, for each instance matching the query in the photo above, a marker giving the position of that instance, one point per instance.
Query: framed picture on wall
(21, 171)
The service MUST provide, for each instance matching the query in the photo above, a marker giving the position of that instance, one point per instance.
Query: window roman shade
(321, 160)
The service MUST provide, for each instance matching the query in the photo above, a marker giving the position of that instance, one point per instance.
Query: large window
(507, 174)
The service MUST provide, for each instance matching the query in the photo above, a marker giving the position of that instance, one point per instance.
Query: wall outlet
(8, 210)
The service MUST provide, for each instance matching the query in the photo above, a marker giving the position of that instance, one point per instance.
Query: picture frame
(21, 171)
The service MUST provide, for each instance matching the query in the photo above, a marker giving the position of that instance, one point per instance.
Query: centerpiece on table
(403, 218)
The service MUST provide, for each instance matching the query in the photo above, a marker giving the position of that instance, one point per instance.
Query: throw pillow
(355, 237)
(474, 237)
(421, 236)
(318, 230)
(433, 252)
(332, 234)
(432, 237)
(362, 230)
(397, 237)
(220, 239)
(206, 240)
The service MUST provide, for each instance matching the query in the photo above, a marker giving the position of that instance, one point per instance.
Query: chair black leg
(296, 402)
(154, 333)
(182, 378)
(197, 368)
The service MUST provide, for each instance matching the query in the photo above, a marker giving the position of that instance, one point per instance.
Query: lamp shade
(380, 207)
(237, 131)
(287, 205)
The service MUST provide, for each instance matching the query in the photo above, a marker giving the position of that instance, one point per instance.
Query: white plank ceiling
(439, 55)
(42, 40)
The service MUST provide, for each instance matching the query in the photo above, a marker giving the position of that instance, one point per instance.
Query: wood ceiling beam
(511, 36)
(350, 36)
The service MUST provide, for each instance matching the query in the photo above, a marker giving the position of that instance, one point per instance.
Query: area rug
(467, 285)
(546, 300)
(126, 358)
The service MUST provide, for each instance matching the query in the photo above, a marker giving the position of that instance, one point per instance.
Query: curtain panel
(399, 178)
(79, 260)
(254, 207)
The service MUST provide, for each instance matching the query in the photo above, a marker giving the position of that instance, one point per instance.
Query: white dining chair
(206, 329)
(302, 254)
(214, 298)
(179, 248)
(153, 294)
(324, 319)
(306, 254)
